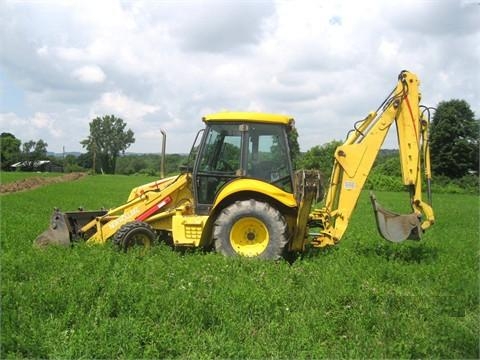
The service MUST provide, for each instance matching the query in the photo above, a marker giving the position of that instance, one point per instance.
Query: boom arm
(354, 160)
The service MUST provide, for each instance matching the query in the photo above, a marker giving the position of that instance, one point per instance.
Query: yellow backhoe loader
(240, 194)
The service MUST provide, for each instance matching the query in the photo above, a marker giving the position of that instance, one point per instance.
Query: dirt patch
(36, 182)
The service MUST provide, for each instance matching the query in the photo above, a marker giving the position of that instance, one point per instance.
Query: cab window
(268, 155)
(220, 160)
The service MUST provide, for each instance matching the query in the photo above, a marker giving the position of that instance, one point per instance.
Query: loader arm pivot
(354, 160)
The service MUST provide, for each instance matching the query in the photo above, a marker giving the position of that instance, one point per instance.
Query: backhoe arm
(354, 160)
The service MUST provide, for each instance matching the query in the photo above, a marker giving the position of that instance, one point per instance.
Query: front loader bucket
(65, 227)
(56, 234)
(396, 227)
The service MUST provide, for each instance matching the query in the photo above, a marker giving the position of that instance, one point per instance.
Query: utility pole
(162, 155)
(94, 157)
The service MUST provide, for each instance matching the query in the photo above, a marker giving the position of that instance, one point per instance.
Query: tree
(131, 164)
(9, 150)
(71, 164)
(320, 158)
(454, 139)
(108, 138)
(85, 161)
(33, 151)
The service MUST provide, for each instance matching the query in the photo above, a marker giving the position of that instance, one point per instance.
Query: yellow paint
(354, 160)
(249, 117)
(154, 185)
(144, 197)
(258, 186)
(187, 229)
(249, 237)
(352, 165)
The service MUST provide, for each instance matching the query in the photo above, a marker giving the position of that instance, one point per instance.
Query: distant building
(37, 165)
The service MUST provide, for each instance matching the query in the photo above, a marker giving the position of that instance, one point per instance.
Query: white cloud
(70, 54)
(38, 126)
(122, 106)
(10, 120)
(165, 64)
(89, 74)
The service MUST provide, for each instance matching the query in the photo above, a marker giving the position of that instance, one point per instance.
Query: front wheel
(135, 233)
(250, 228)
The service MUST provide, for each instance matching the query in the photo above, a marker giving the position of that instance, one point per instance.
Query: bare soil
(38, 181)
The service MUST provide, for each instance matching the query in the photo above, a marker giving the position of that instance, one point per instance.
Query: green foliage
(149, 164)
(71, 164)
(85, 161)
(381, 182)
(469, 184)
(386, 176)
(173, 163)
(107, 140)
(390, 166)
(11, 176)
(454, 139)
(130, 164)
(320, 158)
(364, 298)
(9, 150)
(33, 151)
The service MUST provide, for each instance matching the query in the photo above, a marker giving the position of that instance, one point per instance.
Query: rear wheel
(135, 233)
(250, 228)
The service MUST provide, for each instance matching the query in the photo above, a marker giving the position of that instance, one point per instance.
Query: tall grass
(365, 298)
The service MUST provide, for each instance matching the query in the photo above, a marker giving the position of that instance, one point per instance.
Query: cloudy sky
(164, 64)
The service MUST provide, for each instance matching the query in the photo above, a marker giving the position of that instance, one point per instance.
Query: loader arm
(354, 160)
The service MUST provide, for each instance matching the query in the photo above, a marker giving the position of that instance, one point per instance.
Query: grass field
(7, 177)
(365, 298)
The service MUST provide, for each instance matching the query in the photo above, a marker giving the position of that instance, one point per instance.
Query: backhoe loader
(240, 195)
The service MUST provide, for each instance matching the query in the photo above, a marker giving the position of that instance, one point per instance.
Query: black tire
(135, 233)
(250, 228)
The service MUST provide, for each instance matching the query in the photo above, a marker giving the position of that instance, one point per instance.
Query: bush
(148, 172)
(440, 184)
(380, 182)
(469, 184)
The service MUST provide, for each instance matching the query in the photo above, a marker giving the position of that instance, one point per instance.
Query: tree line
(28, 153)
(454, 144)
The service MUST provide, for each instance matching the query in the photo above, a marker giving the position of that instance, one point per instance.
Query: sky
(165, 64)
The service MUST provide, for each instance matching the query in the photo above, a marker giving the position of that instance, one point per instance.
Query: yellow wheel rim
(249, 237)
(140, 240)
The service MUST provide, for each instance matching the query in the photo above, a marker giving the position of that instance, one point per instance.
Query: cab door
(218, 162)
(268, 155)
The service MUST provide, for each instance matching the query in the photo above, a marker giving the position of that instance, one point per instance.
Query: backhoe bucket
(65, 227)
(396, 227)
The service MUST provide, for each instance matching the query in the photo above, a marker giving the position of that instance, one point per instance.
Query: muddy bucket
(65, 227)
(396, 227)
(57, 234)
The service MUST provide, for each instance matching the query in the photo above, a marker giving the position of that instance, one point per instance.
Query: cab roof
(248, 117)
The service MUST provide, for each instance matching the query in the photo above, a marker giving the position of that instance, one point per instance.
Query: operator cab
(241, 145)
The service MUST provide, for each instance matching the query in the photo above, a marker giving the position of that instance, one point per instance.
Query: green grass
(11, 176)
(365, 298)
